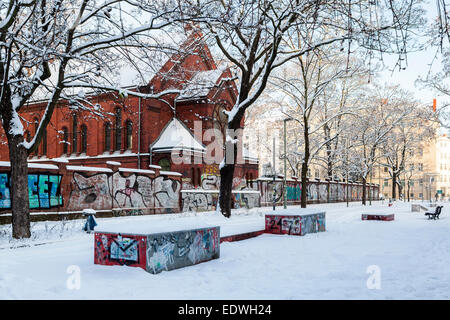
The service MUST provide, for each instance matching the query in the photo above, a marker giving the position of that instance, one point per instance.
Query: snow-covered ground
(411, 255)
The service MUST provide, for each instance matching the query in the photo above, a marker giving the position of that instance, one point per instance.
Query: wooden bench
(435, 214)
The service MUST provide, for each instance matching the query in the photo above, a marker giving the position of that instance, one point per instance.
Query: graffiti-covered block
(377, 216)
(160, 251)
(295, 223)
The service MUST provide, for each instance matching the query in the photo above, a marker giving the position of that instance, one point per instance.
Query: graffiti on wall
(103, 191)
(44, 191)
(196, 201)
(113, 249)
(293, 192)
(295, 225)
(246, 200)
(283, 224)
(174, 250)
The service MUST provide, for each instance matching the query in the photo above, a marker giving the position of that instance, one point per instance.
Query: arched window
(65, 140)
(199, 177)
(118, 130)
(74, 133)
(44, 143)
(83, 138)
(164, 164)
(107, 136)
(36, 126)
(128, 134)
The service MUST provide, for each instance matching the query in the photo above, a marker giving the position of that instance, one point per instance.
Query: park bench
(435, 214)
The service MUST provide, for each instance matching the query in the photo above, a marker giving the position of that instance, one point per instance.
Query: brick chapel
(142, 132)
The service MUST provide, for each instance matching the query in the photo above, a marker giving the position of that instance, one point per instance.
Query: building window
(129, 135)
(65, 140)
(420, 167)
(386, 182)
(385, 169)
(44, 142)
(36, 126)
(164, 164)
(199, 177)
(316, 174)
(193, 177)
(74, 133)
(107, 136)
(83, 138)
(118, 130)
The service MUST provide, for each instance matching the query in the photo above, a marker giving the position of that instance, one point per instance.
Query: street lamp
(285, 156)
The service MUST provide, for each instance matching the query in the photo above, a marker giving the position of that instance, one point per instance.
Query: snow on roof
(200, 85)
(176, 136)
(136, 170)
(113, 163)
(83, 168)
(170, 173)
(32, 165)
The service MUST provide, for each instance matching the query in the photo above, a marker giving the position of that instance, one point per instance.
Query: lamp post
(274, 190)
(285, 155)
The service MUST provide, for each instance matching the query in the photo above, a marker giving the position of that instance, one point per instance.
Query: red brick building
(132, 125)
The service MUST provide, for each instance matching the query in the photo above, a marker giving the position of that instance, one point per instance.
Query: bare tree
(410, 133)
(384, 110)
(252, 36)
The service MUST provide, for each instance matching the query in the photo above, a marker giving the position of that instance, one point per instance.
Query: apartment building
(427, 173)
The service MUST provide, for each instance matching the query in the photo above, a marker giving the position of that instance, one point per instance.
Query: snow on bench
(378, 216)
(155, 250)
(295, 221)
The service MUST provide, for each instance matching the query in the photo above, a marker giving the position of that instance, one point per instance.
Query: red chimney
(434, 105)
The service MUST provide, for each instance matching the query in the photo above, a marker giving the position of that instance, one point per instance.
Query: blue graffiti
(44, 191)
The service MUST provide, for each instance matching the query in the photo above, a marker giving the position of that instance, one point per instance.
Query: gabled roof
(176, 136)
(200, 85)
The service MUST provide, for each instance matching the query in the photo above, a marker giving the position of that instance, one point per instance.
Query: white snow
(93, 169)
(170, 173)
(32, 165)
(200, 85)
(411, 252)
(136, 170)
(113, 163)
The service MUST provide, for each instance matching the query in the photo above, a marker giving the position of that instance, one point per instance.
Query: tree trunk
(226, 178)
(20, 205)
(304, 198)
(408, 190)
(364, 191)
(394, 185)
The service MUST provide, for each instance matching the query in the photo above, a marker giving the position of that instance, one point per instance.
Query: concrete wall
(62, 190)
(158, 252)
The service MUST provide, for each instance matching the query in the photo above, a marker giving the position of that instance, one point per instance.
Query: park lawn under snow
(412, 253)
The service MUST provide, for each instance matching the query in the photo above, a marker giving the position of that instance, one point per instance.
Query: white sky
(418, 65)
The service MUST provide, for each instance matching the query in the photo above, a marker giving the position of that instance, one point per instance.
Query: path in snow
(412, 253)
